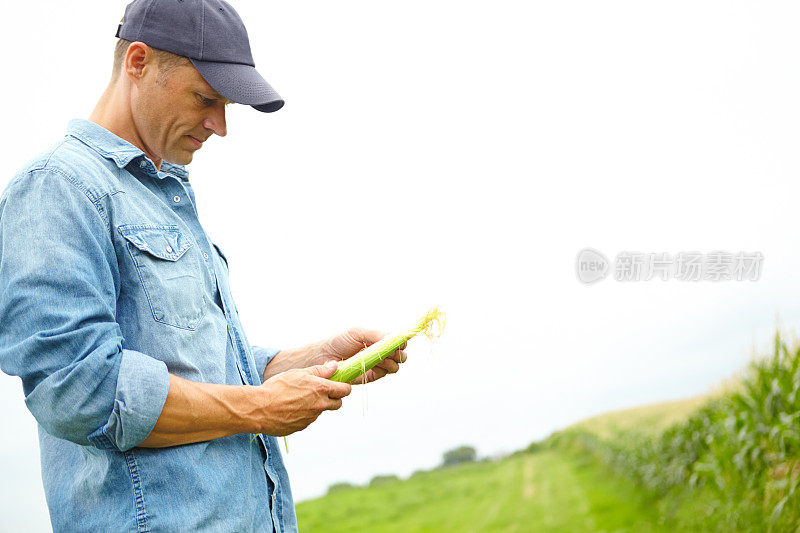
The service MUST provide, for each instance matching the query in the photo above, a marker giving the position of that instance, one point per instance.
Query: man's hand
(336, 348)
(351, 342)
(292, 400)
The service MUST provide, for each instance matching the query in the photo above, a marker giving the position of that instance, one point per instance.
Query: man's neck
(113, 112)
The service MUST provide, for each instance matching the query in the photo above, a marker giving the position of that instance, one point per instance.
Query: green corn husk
(370, 356)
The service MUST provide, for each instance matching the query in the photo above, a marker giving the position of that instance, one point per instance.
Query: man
(116, 309)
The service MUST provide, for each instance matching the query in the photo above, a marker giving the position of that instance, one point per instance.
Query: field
(729, 463)
(725, 461)
(544, 491)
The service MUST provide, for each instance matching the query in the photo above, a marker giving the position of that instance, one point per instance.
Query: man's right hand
(291, 400)
(285, 403)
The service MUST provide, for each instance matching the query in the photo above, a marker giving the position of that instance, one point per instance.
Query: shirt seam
(85, 190)
(53, 151)
(202, 30)
(138, 492)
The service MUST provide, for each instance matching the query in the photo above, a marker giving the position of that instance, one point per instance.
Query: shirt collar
(116, 148)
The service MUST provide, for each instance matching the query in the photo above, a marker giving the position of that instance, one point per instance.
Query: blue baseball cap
(212, 36)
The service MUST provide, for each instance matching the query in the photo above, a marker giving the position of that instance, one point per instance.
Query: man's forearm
(284, 360)
(195, 412)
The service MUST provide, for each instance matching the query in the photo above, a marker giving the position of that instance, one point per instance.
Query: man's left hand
(349, 343)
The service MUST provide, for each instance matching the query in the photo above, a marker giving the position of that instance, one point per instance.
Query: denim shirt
(108, 283)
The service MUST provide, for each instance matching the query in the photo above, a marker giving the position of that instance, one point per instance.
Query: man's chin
(182, 159)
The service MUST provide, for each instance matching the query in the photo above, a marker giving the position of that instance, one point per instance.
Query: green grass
(545, 491)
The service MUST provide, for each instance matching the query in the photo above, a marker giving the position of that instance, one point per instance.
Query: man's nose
(215, 122)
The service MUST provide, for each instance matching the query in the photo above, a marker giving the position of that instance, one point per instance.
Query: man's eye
(204, 100)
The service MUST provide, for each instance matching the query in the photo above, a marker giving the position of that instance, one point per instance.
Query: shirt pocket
(170, 276)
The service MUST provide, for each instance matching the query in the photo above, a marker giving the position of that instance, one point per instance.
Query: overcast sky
(462, 153)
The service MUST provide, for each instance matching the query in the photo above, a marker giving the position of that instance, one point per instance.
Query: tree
(462, 454)
(340, 486)
(383, 478)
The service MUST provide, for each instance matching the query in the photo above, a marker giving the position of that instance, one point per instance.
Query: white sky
(462, 153)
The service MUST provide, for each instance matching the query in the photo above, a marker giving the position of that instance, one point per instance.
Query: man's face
(176, 113)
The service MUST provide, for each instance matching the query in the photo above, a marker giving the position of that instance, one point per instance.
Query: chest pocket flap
(164, 242)
(170, 277)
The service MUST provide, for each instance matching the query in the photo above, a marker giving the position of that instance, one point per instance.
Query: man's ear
(138, 59)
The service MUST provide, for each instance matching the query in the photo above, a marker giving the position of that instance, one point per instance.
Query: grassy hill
(544, 491)
(648, 419)
(549, 490)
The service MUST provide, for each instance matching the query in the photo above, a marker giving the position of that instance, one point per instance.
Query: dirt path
(528, 488)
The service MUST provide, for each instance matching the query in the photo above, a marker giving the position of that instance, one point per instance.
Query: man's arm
(58, 283)
(293, 358)
(196, 412)
(295, 391)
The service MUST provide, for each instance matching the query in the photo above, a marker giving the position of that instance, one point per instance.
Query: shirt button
(169, 249)
(176, 199)
(205, 255)
(143, 163)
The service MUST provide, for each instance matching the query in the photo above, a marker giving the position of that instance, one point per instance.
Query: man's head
(176, 65)
(173, 109)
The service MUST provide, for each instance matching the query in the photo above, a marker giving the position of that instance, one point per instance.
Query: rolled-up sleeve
(59, 283)
(262, 357)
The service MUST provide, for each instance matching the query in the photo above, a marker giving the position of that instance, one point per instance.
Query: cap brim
(240, 83)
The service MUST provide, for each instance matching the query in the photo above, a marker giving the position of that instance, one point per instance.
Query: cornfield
(732, 465)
